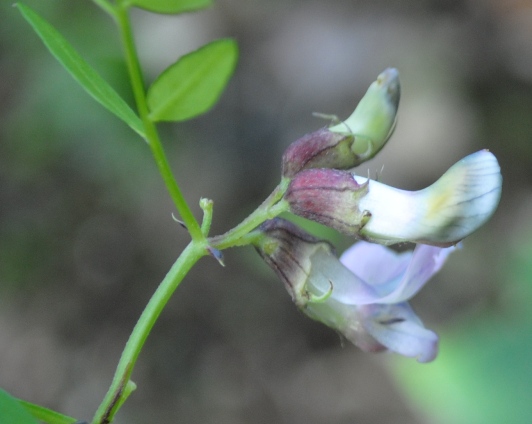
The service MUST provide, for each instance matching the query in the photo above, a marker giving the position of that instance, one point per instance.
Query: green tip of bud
(373, 121)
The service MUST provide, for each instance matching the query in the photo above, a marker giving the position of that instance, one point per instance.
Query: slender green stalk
(152, 136)
(270, 208)
(113, 399)
(238, 236)
(121, 385)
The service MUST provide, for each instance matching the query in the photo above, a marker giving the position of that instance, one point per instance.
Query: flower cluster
(364, 294)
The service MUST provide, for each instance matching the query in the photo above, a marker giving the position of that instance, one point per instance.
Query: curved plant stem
(270, 208)
(152, 136)
(118, 389)
(121, 385)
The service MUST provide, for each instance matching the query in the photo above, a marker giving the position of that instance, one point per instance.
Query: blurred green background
(86, 231)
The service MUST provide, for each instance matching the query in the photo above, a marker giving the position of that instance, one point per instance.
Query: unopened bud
(354, 141)
(373, 121)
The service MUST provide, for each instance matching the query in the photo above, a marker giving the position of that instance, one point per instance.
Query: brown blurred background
(86, 232)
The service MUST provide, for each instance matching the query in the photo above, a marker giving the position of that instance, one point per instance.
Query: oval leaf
(170, 6)
(193, 84)
(11, 411)
(82, 72)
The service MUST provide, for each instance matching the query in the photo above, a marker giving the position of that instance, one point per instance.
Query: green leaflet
(12, 412)
(46, 415)
(169, 6)
(193, 84)
(82, 72)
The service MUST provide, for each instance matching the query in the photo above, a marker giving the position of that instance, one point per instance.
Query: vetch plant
(364, 294)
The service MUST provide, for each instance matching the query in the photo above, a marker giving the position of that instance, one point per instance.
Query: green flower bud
(373, 121)
(350, 143)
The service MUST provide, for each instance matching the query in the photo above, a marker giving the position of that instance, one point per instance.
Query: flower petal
(456, 205)
(374, 263)
(396, 277)
(399, 329)
(425, 262)
(328, 276)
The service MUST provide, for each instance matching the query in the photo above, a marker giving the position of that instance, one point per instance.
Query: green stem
(113, 399)
(152, 136)
(270, 208)
(238, 236)
(121, 386)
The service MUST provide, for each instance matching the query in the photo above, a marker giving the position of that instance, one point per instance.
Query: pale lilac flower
(453, 207)
(396, 277)
(373, 298)
(363, 295)
(462, 200)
